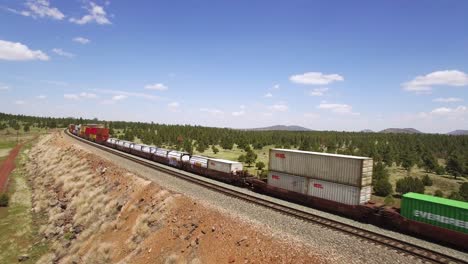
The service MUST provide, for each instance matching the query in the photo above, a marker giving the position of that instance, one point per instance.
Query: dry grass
(93, 204)
(99, 254)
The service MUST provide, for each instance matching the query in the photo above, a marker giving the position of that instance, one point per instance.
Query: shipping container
(348, 170)
(288, 182)
(340, 193)
(436, 211)
(176, 158)
(160, 152)
(148, 149)
(227, 166)
(199, 161)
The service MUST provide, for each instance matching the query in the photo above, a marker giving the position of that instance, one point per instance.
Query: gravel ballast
(338, 247)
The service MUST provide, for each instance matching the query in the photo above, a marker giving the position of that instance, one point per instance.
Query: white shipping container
(289, 182)
(226, 166)
(123, 143)
(137, 147)
(148, 149)
(339, 193)
(199, 161)
(349, 170)
(161, 152)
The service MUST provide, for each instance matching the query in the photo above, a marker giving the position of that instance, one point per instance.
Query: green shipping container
(436, 211)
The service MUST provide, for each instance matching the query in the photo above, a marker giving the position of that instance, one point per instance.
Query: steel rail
(404, 247)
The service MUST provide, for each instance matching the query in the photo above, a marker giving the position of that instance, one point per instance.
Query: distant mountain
(458, 132)
(281, 128)
(401, 131)
(367, 131)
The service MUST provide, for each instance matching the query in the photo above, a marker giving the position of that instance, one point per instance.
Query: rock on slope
(96, 212)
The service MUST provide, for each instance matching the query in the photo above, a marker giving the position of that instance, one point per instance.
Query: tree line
(405, 150)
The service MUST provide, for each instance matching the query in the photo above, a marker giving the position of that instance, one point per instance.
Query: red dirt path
(7, 166)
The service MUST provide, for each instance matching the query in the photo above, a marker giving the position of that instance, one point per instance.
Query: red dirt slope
(7, 166)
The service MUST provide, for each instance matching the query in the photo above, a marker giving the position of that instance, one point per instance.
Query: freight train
(338, 184)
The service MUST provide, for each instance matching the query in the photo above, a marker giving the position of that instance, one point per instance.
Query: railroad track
(403, 247)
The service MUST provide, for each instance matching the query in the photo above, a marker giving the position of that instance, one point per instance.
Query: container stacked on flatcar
(339, 178)
(441, 212)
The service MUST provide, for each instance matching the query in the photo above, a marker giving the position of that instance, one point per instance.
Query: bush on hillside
(4, 200)
(427, 180)
(383, 187)
(409, 184)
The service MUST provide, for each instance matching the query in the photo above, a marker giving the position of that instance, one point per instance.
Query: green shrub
(409, 184)
(455, 196)
(464, 191)
(4, 200)
(427, 180)
(439, 193)
(383, 187)
(440, 170)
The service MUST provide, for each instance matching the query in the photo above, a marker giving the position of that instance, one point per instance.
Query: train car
(436, 211)
(343, 169)
(110, 142)
(124, 145)
(71, 128)
(225, 170)
(143, 151)
(177, 159)
(197, 164)
(82, 131)
(76, 130)
(102, 134)
(160, 155)
(90, 133)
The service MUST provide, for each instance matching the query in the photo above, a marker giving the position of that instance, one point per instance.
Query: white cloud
(81, 40)
(447, 100)
(276, 86)
(71, 96)
(88, 95)
(238, 113)
(438, 78)
(212, 111)
(129, 94)
(4, 87)
(58, 83)
(79, 96)
(173, 106)
(268, 95)
(337, 108)
(315, 78)
(95, 14)
(15, 51)
(63, 53)
(119, 97)
(241, 112)
(20, 102)
(42, 97)
(446, 111)
(279, 107)
(318, 91)
(156, 86)
(39, 8)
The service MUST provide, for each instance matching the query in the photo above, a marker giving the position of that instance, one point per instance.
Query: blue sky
(326, 65)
